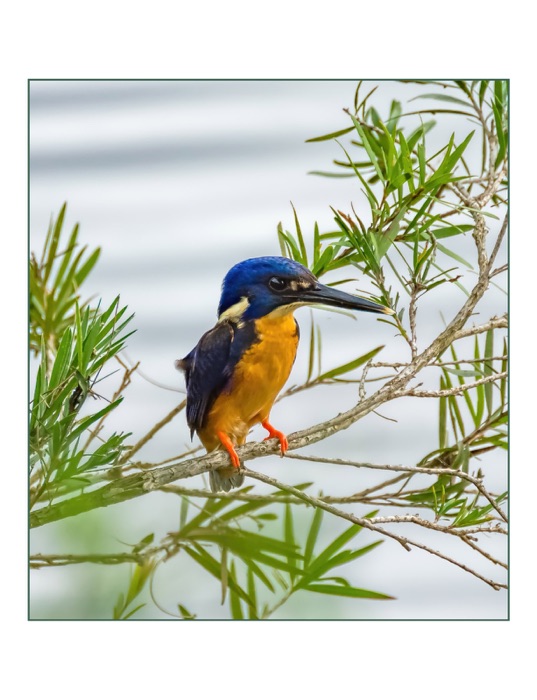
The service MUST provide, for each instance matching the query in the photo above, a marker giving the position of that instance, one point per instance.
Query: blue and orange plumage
(238, 368)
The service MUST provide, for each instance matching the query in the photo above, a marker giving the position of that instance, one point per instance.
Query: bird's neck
(283, 311)
(277, 324)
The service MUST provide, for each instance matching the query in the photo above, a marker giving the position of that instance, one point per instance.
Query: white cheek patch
(235, 312)
(287, 309)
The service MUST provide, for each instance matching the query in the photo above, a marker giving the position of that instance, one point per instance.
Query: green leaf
(346, 591)
(487, 367)
(323, 261)
(349, 366)
(503, 382)
(185, 613)
(419, 133)
(252, 610)
(442, 417)
(257, 571)
(367, 145)
(333, 135)
(318, 568)
(79, 340)
(312, 535)
(451, 254)
(183, 512)
(422, 160)
(289, 534)
(138, 580)
(119, 607)
(323, 173)
(288, 246)
(66, 292)
(499, 109)
(248, 552)
(89, 345)
(339, 542)
(36, 403)
(442, 97)
(395, 114)
(144, 542)
(443, 173)
(234, 600)
(210, 564)
(453, 407)
(464, 372)
(87, 267)
(208, 510)
(373, 203)
(480, 391)
(59, 281)
(89, 420)
(243, 509)
(133, 611)
(51, 244)
(62, 360)
(303, 251)
(448, 231)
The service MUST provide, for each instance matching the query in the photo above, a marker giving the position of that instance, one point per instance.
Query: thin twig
(440, 471)
(154, 430)
(125, 381)
(367, 523)
(37, 561)
(454, 391)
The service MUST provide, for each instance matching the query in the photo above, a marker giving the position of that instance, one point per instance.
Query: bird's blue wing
(209, 366)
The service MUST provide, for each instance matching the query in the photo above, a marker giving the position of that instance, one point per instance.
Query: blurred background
(177, 181)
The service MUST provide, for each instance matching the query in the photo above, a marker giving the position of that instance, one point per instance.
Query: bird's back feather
(209, 367)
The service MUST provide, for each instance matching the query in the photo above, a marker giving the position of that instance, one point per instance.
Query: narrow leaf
(333, 135)
(349, 366)
(312, 535)
(346, 592)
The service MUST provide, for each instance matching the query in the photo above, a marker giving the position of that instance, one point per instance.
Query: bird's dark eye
(277, 284)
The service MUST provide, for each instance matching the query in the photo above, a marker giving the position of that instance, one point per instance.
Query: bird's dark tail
(225, 479)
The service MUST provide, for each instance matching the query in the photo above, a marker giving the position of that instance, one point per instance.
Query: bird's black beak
(321, 294)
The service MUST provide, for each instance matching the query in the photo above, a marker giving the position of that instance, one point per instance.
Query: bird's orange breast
(256, 382)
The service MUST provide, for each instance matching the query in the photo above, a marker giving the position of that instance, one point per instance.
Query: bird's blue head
(259, 286)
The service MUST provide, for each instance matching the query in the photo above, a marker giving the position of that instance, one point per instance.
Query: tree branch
(370, 524)
(457, 390)
(133, 486)
(439, 471)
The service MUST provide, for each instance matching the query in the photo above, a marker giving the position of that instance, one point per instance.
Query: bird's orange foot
(226, 442)
(273, 433)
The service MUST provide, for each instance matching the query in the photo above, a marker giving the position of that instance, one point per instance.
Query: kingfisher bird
(239, 367)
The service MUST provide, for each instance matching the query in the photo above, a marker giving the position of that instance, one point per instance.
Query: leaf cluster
(406, 194)
(471, 424)
(73, 349)
(124, 608)
(54, 281)
(250, 566)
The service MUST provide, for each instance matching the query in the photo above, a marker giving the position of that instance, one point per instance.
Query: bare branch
(456, 390)
(128, 487)
(370, 524)
(38, 561)
(440, 471)
(495, 322)
(154, 430)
